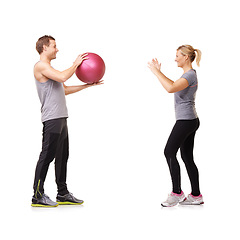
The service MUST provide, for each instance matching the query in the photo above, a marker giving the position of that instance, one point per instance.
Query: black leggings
(54, 146)
(182, 136)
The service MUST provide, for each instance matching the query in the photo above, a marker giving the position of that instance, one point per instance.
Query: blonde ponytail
(199, 55)
(190, 51)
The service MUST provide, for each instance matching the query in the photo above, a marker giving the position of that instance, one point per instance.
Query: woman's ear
(186, 57)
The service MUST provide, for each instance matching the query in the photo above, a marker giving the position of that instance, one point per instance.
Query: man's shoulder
(41, 64)
(39, 68)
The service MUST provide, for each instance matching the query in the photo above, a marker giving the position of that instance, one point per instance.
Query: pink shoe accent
(196, 196)
(176, 194)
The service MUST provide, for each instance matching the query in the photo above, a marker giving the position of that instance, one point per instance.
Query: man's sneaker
(192, 200)
(173, 199)
(68, 199)
(44, 201)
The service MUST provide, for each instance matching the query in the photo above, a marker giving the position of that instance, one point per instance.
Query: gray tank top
(52, 98)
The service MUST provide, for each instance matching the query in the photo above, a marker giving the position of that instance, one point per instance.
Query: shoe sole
(169, 205)
(69, 203)
(41, 205)
(191, 204)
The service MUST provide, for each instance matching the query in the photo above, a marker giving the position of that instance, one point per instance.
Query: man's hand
(80, 59)
(96, 84)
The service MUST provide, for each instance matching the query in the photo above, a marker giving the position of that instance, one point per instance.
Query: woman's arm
(169, 85)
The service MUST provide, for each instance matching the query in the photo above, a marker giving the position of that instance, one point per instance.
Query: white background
(118, 130)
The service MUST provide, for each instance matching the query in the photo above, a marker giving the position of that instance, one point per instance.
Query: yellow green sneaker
(44, 201)
(68, 199)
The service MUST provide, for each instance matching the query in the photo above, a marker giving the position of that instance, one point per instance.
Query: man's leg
(63, 196)
(51, 134)
(61, 160)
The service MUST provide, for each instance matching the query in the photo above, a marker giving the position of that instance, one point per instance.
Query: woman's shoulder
(190, 76)
(190, 73)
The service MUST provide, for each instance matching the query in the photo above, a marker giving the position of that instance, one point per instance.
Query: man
(52, 90)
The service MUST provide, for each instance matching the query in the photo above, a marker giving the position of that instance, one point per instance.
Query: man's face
(51, 50)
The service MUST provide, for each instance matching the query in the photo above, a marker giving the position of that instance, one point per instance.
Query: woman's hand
(154, 66)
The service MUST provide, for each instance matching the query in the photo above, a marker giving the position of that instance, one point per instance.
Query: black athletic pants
(54, 146)
(182, 136)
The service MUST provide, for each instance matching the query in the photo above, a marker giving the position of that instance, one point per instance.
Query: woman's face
(180, 59)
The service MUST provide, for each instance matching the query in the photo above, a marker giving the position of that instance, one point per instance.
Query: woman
(187, 123)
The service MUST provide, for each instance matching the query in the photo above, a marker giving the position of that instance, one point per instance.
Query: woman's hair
(44, 40)
(190, 51)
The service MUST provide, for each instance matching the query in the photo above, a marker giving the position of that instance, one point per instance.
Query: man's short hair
(44, 40)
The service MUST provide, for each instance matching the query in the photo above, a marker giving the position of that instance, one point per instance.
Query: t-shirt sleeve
(190, 77)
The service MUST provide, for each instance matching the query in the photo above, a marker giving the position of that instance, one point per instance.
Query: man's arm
(44, 70)
(74, 89)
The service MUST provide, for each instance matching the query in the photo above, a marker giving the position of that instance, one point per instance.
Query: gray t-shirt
(185, 99)
(52, 98)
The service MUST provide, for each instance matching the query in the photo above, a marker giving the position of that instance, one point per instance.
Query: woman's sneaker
(44, 201)
(193, 200)
(173, 199)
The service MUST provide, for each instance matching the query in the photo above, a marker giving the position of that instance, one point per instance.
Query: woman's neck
(186, 68)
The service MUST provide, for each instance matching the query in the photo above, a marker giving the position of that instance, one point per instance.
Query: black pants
(182, 136)
(54, 146)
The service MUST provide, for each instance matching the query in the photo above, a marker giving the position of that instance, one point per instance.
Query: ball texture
(92, 69)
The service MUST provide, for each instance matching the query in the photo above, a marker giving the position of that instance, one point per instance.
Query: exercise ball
(92, 69)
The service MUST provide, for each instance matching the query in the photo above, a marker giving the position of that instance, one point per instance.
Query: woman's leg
(188, 159)
(180, 132)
